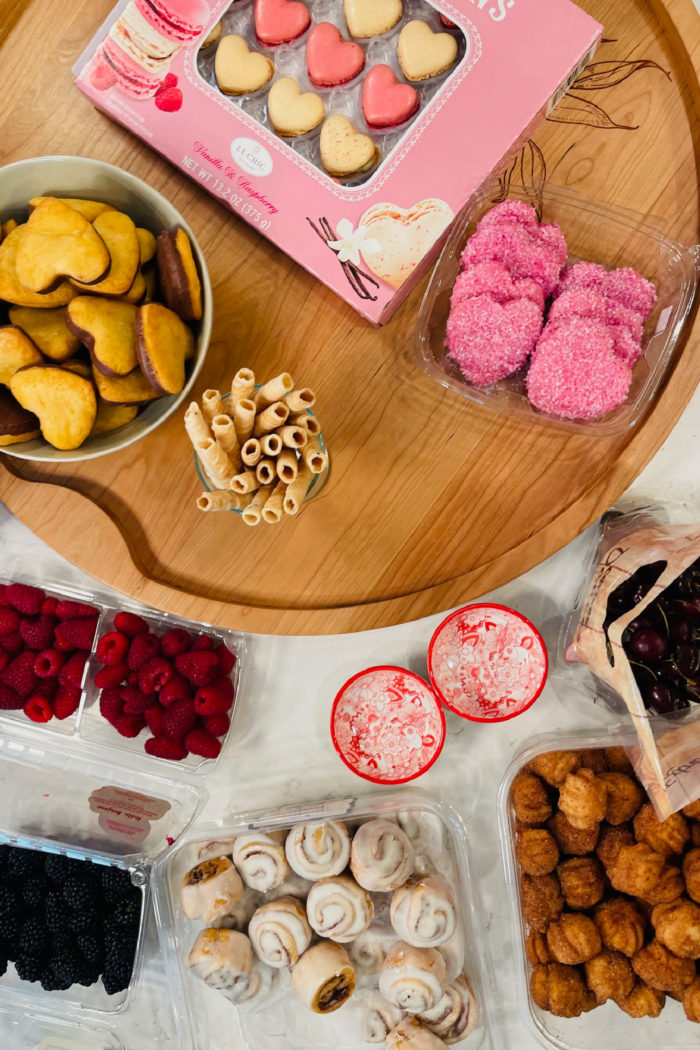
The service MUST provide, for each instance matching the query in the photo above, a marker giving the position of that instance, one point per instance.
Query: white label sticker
(251, 156)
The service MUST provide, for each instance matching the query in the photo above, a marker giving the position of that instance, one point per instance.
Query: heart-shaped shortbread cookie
(238, 70)
(344, 151)
(331, 59)
(279, 21)
(405, 235)
(386, 102)
(291, 112)
(57, 242)
(423, 53)
(367, 18)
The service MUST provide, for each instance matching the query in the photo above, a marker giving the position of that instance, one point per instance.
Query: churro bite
(663, 970)
(583, 799)
(669, 887)
(677, 927)
(643, 1001)
(691, 1001)
(537, 949)
(571, 840)
(609, 976)
(621, 925)
(617, 761)
(555, 766)
(573, 939)
(666, 837)
(624, 797)
(691, 873)
(536, 851)
(636, 869)
(582, 882)
(593, 758)
(611, 841)
(542, 900)
(560, 989)
(530, 800)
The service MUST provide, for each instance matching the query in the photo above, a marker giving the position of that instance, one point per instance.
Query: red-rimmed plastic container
(487, 662)
(387, 725)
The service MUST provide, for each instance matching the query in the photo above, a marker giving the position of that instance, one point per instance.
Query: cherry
(648, 645)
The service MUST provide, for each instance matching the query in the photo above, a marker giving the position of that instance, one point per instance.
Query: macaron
(178, 20)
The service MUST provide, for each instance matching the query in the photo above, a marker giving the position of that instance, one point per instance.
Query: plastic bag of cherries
(638, 631)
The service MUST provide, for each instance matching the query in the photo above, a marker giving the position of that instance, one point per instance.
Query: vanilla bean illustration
(355, 276)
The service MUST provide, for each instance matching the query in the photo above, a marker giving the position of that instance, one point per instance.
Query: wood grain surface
(430, 501)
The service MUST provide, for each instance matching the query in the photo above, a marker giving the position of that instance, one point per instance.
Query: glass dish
(606, 1027)
(594, 231)
(279, 1023)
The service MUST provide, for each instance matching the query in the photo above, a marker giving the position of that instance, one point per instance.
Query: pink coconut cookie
(516, 213)
(630, 289)
(550, 234)
(585, 302)
(582, 275)
(518, 250)
(493, 279)
(574, 372)
(489, 340)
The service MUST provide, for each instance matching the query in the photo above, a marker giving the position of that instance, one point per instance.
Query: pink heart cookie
(385, 101)
(586, 302)
(582, 275)
(630, 289)
(518, 250)
(509, 212)
(330, 58)
(279, 21)
(492, 279)
(490, 341)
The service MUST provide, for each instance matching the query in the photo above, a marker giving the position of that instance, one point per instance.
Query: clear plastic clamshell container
(30, 1031)
(59, 798)
(594, 231)
(606, 1027)
(280, 1021)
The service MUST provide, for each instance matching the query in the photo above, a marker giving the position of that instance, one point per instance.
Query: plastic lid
(387, 725)
(487, 662)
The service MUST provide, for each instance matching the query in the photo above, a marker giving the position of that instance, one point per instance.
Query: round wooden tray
(430, 501)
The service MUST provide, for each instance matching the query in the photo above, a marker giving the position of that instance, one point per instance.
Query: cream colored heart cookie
(238, 70)
(367, 18)
(291, 112)
(423, 53)
(403, 237)
(344, 151)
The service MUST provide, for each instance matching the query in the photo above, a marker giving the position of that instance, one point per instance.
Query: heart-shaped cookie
(11, 288)
(279, 21)
(385, 101)
(490, 340)
(291, 112)
(64, 402)
(238, 70)
(344, 151)
(57, 242)
(404, 235)
(423, 53)
(330, 58)
(367, 18)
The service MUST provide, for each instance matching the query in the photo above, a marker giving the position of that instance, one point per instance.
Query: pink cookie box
(515, 60)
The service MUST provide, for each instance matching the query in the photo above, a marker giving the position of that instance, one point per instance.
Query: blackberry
(55, 911)
(82, 921)
(56, 867)
(116, 883)
(78, 894)
(20, 863)
(34, 892)
(128, 912)
(3, 962)
(29, 968)
(9, 926)
(91, 947)
(62, 943)
(55, 980)
(32, 939)
(87, 973)
(9, 902)
(117, 975)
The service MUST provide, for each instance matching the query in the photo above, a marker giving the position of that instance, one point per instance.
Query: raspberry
(210, 700)
(9, 621)
(132, 678)
(169, 80)
(4, 600)
(72, 671)
(144, 647)
(4, 659)
(129, 725)
(25, 599)
(49, 606)
(154, 675)
(77, 633)
(67, 610)
(198, 667)
(178, 688)
(38, 634)
(201, 643)
(135, 703)
(111, 704)
(38, 709)
(165, 747)
(179, 719)
(67, 701)
(217, 725)
(112, 648)
(11, 643)
(9, 700)
(169, 100)
(48, 663)
(227, 659)
(175, 642)
(19, 674)
(130, 624)
(199, 742)
(154, 719)
(115, 674)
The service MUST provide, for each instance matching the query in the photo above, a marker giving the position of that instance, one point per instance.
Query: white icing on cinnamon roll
(216, 848)
(238, 917)
(223, 959)
(413, 978)
(260, 861)
(424, 912)
(381, 857)
(427, 836)
(411, 1035)
(211, 889)
(455, 1016)
(279, 932)
(368, 951)
(338, 908)
(316, 851)
(380, 1018)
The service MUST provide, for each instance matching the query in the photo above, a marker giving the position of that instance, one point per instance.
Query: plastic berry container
(595, 231)
(33, 1032)
(280, 1019)
(387, 725)
(487, 662)
(606, 1027)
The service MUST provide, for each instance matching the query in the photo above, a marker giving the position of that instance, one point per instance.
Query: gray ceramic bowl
(93, 179)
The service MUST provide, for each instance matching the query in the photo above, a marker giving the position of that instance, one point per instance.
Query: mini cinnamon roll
(338, 908)
(368, 951)
(381, 1017)
(279, 932)
(260, 861)
(455, 1016)
(426, 834)
(216, 848)
(317, 851)
(452, 952)
(211, 889)
(424, 912)
(381, 857)
(324, 978)
(413, 978)
(410, 1034)
(238, 917)
(223, 959)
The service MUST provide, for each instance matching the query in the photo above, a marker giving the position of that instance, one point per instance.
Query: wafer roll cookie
(296, 492)
(251, 452)
(218, 500)
(293, 437)
(273, 510)
(314, 457)
(212, 404)
(252, 515)
(242, 387)
(225, 434)
(244, 419)
(196, 425)
(308, 422)
(287, 466)
(270, 418)
(215, 462)
(274, 390)
(300, 400)
(246, 481)
(271, 444)
(265, 471)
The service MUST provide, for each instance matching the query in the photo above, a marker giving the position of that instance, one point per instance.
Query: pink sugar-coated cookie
(492, 279)
(516, 213)
(490, 341)
(517, 249)
(550, 234)
(586, 302)
(178, 20)
(630, 289)
(386, 102)
(574, 373)
(625, 346)
(130, 76)
(280, 21)
(582, 275)
(330, 58)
